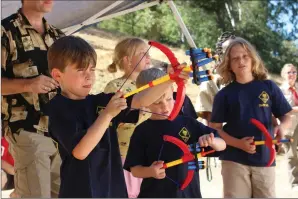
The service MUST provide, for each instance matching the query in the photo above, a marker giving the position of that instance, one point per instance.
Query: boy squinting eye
(169, 99)
(81, 69)
(157, 103)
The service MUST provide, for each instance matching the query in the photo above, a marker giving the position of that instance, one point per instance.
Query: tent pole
(139, 7)
(188, 36)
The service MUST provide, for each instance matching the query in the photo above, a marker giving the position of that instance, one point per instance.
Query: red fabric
(295, 95)
(5, 155)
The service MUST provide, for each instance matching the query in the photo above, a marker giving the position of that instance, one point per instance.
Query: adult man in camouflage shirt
(26, 89)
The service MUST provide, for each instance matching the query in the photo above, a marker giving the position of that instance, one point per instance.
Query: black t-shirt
(100, 175)
(237, 104)
(145, 148)
(187, 108)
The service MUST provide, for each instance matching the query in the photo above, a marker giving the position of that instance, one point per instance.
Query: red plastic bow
(187, 156)
(268, 140)
(181, 86)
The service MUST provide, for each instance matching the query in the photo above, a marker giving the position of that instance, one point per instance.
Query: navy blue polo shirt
(100, 175)
(236, 104)
(145, 147)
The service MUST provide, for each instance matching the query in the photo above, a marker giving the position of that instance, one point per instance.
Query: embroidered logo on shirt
(264, 97)
(184, 134)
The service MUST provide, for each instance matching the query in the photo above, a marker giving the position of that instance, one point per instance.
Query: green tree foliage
(260, 22)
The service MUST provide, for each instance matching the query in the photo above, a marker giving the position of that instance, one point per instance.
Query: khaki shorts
(242, 181)
(36, 161)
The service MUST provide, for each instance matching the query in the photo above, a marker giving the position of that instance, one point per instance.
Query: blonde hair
(259, 70)
(149, 75)
(126, 47)
(284, 68)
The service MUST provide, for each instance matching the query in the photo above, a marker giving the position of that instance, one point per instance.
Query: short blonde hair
(149, 75)
(284, 69)
(126, 47)
(259, 70)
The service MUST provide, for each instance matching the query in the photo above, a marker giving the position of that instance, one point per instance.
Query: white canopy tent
(71, 16)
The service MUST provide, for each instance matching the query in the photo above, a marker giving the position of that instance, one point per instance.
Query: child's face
(144, 63)
(240, 61)
(76, 83)
(163, 106)
(291, 75)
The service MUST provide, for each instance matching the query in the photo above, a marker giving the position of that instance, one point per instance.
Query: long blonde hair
(259, 70)
(126, 47)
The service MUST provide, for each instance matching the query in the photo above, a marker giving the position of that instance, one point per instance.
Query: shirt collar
(25, 21)
(286, 85)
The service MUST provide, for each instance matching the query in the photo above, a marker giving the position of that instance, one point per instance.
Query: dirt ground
(104, 44)
(213, 189)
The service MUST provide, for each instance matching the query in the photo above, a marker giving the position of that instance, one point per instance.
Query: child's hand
(246, 144)
(206, 140)
(116, 104)
(157, 171)
(279, 132)
(183, 74)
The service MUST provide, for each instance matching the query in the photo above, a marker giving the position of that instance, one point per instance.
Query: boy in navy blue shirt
(85, 125)
(145, 158)
(247, 95)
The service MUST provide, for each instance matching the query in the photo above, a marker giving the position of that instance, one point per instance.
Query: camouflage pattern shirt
(24, 55)
(125, 130)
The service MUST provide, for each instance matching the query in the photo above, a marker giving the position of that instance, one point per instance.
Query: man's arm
(9, 86)
(7, 167)
(14, 86)
(40, 84)
(285, 123)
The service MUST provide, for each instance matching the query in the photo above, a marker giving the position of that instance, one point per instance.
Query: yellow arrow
(262, 142)
(180, 161)
(154, 83)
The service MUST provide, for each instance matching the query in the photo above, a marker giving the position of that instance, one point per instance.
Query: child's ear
(126, 61)
(56, 74)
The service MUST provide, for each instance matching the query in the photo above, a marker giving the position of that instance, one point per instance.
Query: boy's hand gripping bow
(188, 156)
(269, 142)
